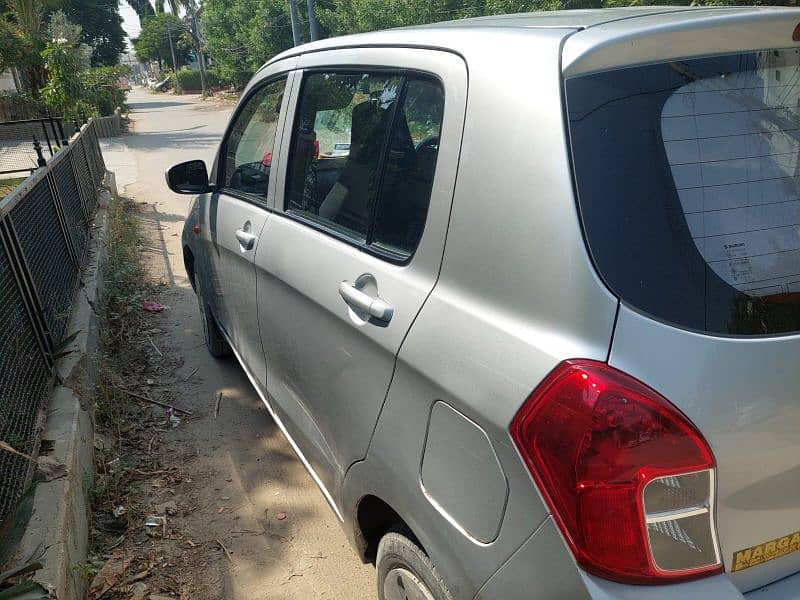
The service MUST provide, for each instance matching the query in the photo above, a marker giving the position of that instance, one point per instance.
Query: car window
(410, 164)
(688, 188)
(364, 150)
(248, 149)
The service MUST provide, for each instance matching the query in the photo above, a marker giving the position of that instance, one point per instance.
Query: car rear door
(239, 211)
(356, 240)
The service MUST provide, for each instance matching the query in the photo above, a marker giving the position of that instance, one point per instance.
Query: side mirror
(188, 177)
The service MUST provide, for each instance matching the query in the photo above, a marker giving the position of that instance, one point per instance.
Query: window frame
(219, 180)
(366, 245)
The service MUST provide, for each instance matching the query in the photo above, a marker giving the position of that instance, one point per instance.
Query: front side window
(248, 150)
(363, 155)
(688, 177)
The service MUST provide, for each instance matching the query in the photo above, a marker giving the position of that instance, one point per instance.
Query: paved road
(241, 473)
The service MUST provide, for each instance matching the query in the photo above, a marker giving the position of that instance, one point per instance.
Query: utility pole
(201, 57)
(295, 26)
(174, 62)
(313, 26)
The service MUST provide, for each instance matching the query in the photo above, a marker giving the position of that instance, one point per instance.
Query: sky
(130, 22)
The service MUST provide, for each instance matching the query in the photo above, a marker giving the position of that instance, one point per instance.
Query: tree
(21, 37)
(341, 17)
(153, 42)
(143, 9)
(15, 48)
(243, 34)
(102, 28)
(64, 57)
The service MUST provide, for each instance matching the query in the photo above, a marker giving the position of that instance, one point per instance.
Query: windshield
(687, 177)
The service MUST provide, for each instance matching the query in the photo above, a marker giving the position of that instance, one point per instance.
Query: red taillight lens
(594, 438)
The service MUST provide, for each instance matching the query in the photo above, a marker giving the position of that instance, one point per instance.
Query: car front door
(239, 211)
(356, 240)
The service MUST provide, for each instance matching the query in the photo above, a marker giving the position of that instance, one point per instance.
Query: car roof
(607, 25)
(571, 19)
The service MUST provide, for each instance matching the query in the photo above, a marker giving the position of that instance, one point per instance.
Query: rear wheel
(405, 572)
(215, 342)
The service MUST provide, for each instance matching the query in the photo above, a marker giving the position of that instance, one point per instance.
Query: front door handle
(374, 307)
(246, 239)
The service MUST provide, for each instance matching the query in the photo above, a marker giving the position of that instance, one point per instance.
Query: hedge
(189, 79)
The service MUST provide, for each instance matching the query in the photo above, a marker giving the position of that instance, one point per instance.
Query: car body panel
(658, 38)
(235, 275)
(329, 370)
(233, 263)
(458, 449)
(544, 559)
(742, 395)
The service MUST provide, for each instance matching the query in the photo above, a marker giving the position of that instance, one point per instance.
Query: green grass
(7, 185)
(124, 288)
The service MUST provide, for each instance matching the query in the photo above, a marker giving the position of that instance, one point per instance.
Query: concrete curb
(58, 531)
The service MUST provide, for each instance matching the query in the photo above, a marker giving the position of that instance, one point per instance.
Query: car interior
(340, 189)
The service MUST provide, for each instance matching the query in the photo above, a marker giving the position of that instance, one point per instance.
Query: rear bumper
(787, 588)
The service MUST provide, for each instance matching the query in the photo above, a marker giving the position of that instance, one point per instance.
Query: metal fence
(26, 144)
(45, 226)
(23, 143)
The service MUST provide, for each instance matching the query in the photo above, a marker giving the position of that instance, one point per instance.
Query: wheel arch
(374, 518)
(188, 263)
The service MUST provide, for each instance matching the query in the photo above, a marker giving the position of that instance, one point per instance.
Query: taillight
(629, 479)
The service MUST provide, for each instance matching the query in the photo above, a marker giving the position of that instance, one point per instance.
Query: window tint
(410, 165)
(248, 149)
(364, 151)
(688, 186)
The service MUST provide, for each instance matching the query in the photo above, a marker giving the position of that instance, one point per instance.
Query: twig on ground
(8, 448)
(150, 473)
(224, 549)
(157, 402)
(216, 406)
(138, 577)
(152, 343)
(190, 375)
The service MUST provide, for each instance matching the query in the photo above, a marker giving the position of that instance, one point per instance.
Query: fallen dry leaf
(110, 574)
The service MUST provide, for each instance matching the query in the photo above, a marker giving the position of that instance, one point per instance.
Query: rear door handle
(246, 239)
(374, 307)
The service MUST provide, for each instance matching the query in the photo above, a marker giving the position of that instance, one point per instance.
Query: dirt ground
(236, 514)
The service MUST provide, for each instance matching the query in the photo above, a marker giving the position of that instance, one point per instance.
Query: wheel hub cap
(402, 584)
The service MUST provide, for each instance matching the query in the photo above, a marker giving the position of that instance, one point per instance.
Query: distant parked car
(162, 85)
(523, 293)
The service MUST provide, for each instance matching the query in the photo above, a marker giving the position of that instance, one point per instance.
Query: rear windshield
(687, 176)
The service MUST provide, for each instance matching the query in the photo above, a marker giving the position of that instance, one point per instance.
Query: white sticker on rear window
(733, 145)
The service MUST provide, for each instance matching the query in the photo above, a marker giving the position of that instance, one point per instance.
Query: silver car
(523, 293)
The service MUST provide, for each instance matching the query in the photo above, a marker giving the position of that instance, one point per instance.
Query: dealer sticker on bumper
(755, 555)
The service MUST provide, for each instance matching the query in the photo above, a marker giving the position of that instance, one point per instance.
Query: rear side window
(687, 178)
(363, 156)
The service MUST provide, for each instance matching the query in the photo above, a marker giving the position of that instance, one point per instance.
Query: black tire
(399, 557)
(215, 342)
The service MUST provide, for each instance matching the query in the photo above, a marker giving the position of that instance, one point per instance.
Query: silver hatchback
(523, 293)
